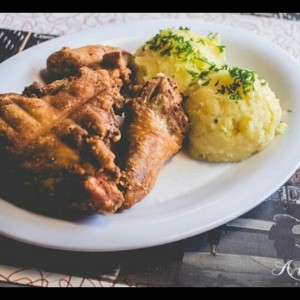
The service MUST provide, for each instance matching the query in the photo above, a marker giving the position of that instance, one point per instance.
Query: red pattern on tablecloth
(36, 277)
(284, 33)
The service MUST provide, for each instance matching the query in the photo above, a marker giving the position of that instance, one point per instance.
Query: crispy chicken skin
(58, 140)
(155, 126)
(66, 62)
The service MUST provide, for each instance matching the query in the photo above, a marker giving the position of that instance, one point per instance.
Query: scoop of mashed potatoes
(233, 115)
(179, 54)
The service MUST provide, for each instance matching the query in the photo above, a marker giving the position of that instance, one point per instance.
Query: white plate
(190, 197)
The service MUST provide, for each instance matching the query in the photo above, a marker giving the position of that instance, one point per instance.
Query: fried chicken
(58, 137)
(66, 62)
(154, 129)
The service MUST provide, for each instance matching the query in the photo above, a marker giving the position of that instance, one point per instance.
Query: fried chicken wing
(58, 140)
(155, 126)
(67, 62)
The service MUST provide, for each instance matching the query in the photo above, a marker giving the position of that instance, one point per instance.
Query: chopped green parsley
(184, 28)
(243, 79)
(211, 36)
(167, 42)
(221, 48)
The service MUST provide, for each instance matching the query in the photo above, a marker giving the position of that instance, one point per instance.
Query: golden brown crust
(155, 126)
(61, 141)
(23, 119)
(67, 61)
(58, 138)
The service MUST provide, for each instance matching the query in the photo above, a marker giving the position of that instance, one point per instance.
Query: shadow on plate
(31, 200)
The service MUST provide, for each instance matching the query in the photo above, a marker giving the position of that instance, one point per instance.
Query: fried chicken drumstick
(154, 129)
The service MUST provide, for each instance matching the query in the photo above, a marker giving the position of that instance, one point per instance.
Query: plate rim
(170, 238)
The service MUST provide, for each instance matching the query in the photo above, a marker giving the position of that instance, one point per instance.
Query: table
(245, 256)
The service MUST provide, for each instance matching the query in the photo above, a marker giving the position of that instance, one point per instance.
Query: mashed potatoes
(178, 54)
(232, 113)
(234, 116)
